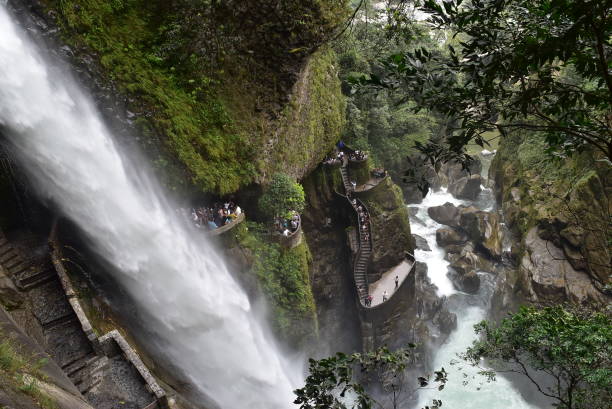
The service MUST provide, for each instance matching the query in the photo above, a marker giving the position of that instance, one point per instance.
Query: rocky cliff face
(211, 103)
(390, 227)
(559, 212)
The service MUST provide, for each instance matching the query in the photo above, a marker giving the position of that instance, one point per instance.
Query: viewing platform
(227, 227)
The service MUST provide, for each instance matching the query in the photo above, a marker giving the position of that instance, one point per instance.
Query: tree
(338, 382)
(532, 64)
(282, 196)
(573, 348)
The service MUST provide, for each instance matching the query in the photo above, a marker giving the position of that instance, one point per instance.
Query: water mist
(202, 316)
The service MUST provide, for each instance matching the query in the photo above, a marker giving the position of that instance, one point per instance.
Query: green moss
(201, 123)
(311, 125)
(284, 278)
(187, 111)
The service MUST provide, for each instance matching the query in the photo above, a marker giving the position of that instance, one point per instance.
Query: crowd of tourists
(212, 217)
(343, 152)
(287, 225)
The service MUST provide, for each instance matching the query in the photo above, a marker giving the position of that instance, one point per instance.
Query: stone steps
(87, 372)
(31, 278)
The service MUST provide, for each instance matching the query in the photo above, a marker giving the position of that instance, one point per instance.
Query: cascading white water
(477, 394)
(204, 320)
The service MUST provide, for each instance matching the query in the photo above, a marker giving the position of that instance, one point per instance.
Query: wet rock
(10, 297)
(421, 243)
(469, 260)
(412, 211)
(469, 282)
(484, 229)
(447, 214)
(466, 187)
(452, 171)
(445, 320)
(549, 276)
(447, 236)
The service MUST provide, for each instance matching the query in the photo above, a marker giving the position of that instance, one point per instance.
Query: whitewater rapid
(477, 393)
(203, 321)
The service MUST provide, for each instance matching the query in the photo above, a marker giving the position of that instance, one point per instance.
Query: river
(470, 309)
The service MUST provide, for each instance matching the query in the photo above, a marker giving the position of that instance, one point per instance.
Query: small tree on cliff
(282, 196)
(572, 348)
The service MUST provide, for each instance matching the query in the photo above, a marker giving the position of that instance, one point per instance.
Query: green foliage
(553, 77)
(311, 123)
(380, 123)
(284, 278)
(573, 348)
(282, 196)
(338, 382)
(195, 124)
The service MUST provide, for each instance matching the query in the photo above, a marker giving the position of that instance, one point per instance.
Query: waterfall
(203, 320)
(470, 309)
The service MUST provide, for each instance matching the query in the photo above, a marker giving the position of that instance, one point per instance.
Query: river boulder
(484, 229)
(447, 236)
(447, 214)
(467, 187)
(420, 243)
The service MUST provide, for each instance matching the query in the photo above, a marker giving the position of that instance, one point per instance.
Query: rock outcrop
(559, 213)
(483, 228)
(467, 187)
(447, 214)
(420, 243)
(548, 275)
(447, 236)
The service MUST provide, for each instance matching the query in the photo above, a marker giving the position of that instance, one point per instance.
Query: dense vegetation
(536, 65)
(572, 349)
(283, 275)
(381, 123)
(281, 197)
(202, 98)
(19, 374)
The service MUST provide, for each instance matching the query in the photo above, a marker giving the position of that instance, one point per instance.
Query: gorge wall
(559, 213)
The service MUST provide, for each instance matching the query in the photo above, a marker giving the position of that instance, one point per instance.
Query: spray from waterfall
(203, 318)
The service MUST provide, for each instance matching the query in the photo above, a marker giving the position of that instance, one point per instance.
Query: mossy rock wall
(210, 120)
(359, 171)
(568, 201)
(281, 274)
(390, 226)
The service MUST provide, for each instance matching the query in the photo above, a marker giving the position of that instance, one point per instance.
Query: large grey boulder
(421, 243)
(447, 214)
(447, 236)
(452, 171)
(467, 187)
(484, 229)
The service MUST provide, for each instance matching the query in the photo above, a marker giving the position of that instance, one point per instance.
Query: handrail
(228, 226)
(359, 255)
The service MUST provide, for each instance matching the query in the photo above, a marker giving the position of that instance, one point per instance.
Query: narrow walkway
(370, 184)
(387, 282)
(65, 340)
(105, 382)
